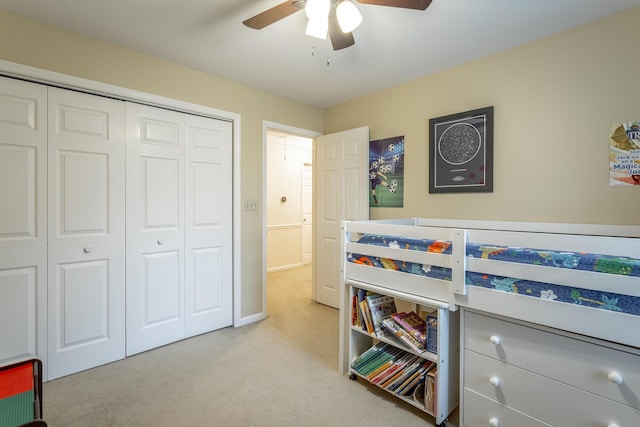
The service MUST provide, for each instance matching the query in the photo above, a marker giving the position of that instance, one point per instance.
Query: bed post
(345, 309)
(459, 262)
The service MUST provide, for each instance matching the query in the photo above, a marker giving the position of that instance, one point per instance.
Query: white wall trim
(51, 78)
(284, 267)
(266, 126)
(285, 226)
(251, 319)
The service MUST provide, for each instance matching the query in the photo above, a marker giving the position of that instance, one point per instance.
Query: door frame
(279, 127)
(38, 75)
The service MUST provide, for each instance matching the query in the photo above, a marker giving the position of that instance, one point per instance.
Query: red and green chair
(21, 394)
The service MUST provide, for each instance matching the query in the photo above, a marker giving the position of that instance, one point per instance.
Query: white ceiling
(392, 45)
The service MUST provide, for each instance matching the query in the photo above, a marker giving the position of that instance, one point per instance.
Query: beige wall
(30, 43)
(554, 101)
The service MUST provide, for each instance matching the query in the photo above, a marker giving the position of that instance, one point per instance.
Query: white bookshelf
(446, 359)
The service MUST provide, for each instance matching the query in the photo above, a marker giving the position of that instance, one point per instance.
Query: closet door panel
(161, 293)
(18, 313)
(83, 193)
(208, 234)
(155, 227)
(83, 289)
(207, 280)
(17, 191)
(23, 220)
(161, 195)
(86, 278)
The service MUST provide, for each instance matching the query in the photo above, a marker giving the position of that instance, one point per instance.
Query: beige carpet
(282, 371)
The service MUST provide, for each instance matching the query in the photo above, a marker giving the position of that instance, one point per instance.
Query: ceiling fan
(338, 18)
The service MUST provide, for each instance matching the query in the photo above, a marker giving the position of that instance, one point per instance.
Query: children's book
(413, 324)
(408, 340)
(381, 307)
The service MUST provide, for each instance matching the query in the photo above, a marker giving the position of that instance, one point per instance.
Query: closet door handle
(87, 249)
(615, 377)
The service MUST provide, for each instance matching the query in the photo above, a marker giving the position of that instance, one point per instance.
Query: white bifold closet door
(86, 227)
(23, 220)
(179, 251)
(155, 227)
(209, 225)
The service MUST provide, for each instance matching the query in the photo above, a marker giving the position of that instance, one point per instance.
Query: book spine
(368, 354)
(361, 293)
(432, 334)
(398, 366)
(430, 391)
(380, 358)
(407, 372)
(366, 314)
(354, 310)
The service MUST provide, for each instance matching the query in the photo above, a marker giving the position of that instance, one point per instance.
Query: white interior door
(155, 227)
(342, 167)
(208, 218)
(23, 220)
(86, 266)
(307, 213)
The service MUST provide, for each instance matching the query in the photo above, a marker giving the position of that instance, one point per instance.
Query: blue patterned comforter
(605, 264)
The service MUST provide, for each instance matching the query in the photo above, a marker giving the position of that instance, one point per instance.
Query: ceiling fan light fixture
(349, 17)
(317, 9)
(317, 28)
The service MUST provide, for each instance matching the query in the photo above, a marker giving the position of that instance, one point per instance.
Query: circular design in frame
(459, 143)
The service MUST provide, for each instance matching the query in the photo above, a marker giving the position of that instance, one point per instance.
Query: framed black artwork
(461, 152)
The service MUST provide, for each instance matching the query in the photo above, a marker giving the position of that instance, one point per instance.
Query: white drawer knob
(612, 425)
(495, 381)
(495, 339)
(87, 249)
(494, 422)
(615, 377)
(160, 242)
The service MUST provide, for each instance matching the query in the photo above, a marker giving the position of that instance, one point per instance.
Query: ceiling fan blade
(407, 4)
(274, 14)
(339, 40)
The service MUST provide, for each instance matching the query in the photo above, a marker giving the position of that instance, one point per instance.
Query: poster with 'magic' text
(624, 154)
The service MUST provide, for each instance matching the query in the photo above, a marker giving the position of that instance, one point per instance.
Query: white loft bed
(554, 290)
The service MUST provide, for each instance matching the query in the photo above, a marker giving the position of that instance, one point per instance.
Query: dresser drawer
(542, 398)
(480, 411)
(605, 371)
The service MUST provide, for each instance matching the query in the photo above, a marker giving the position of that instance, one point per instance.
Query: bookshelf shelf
(412, 375)
(425, 355)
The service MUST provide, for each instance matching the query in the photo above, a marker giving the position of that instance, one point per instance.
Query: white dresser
(520, 374)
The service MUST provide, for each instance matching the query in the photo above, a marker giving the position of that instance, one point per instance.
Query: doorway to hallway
(278, 144)
(288, 203)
